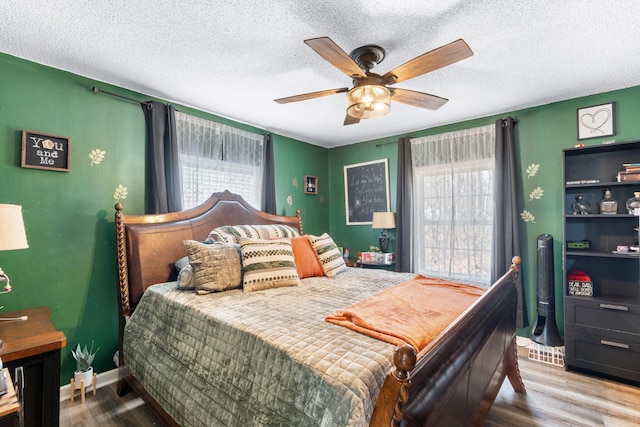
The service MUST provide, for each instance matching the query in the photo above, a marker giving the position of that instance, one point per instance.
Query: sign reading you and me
(43, 151)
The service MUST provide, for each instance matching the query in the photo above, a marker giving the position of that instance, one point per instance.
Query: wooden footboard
(455, 379)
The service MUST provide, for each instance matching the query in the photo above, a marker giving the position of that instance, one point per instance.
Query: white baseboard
(102, 379)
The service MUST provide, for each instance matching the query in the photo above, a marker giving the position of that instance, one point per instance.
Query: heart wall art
(596, 121)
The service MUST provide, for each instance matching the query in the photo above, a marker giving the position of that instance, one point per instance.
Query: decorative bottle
(608, 206)
(580, 206)
(633, 204)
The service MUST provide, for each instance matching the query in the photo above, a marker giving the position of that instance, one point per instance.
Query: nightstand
(35, 345)
(373, 264)
(352, 262)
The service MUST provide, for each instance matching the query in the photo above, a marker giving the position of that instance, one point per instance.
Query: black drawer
(602, 314)
(610, 356)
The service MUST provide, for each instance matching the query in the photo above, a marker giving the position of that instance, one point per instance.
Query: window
(215, 157)
(453, 210)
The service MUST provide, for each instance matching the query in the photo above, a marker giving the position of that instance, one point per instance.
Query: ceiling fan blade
(348, 120)
(331, 52)
(430, 61)
(311, 95)
(417, 99)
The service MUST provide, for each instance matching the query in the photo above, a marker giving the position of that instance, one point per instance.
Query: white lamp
(12, 234)
(384, 220)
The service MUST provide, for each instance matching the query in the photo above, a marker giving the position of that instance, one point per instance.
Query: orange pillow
(305, 257)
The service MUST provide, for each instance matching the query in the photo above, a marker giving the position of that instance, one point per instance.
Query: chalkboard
(43, 151)
(366, 190)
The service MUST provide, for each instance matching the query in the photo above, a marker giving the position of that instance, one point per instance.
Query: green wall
(70, 265)
(541, 134)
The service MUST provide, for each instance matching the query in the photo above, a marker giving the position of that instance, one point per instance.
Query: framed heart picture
(596, 121)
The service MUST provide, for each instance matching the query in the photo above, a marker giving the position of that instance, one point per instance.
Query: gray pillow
(186, 281)
(216, 267)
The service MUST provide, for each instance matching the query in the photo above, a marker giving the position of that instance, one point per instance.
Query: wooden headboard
(149, 245)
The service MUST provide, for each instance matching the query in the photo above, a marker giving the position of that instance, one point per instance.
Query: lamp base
(384, 243)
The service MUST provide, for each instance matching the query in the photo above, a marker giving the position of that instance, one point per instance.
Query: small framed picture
(310, 184)
(45, 151)
(596, 121)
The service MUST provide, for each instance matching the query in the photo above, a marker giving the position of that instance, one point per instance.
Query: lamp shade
(12, 234)
(383, 220)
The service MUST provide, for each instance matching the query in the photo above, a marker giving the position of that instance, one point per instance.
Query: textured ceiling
(233, 58)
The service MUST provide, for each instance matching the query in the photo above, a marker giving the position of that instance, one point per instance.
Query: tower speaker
(545, 331)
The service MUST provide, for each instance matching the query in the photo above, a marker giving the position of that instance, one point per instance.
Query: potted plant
(84, 371)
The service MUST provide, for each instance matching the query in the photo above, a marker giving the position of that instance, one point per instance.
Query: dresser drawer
(602, 314)
(611, 356)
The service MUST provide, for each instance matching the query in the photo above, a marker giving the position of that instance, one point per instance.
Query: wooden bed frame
(453, 381)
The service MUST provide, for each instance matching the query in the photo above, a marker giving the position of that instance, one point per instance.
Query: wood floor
(554, 398)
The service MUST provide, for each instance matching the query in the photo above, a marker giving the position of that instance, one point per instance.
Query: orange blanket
(413, 312)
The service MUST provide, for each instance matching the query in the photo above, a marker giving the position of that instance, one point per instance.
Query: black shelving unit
(602, 332)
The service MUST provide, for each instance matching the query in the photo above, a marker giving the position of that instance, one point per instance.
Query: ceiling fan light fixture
(368, 101)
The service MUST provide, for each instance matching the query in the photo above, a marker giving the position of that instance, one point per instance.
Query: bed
(269, 357)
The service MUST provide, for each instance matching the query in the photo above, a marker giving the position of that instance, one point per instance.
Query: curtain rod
(504, 124)
(98, 90)
(386, 143)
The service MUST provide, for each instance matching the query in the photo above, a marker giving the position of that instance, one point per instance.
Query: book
(628, 176)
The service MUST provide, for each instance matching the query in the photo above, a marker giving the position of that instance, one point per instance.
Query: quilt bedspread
(265, 358)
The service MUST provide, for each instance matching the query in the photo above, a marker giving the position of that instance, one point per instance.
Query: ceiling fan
(370, 96)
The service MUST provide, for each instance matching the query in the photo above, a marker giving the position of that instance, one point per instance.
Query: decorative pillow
(305, 257)
(216, 267)
(233, 233)
(186, 281)
(328, 254)
(267, 264)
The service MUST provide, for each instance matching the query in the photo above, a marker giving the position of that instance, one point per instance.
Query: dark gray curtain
(404, 207)
(506, 238)
(268, 177)
(164, 172)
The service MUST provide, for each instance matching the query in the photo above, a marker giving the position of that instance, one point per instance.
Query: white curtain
(453, 204)
(215, 157)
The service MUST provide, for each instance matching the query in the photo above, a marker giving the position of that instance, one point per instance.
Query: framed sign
(366, 190)
(310, 184)
(44, 151)
(596, 121)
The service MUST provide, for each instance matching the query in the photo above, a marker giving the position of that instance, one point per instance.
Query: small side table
(35, 345)
(372, 264)
(352, 262)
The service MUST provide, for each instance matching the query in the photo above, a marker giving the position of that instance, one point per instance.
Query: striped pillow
(329, 255)
(233, 233)
(267, 264)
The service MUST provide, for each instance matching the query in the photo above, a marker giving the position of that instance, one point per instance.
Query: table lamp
(383, 220)
(12, 236)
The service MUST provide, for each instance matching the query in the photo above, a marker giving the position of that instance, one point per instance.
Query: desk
(35, 345)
